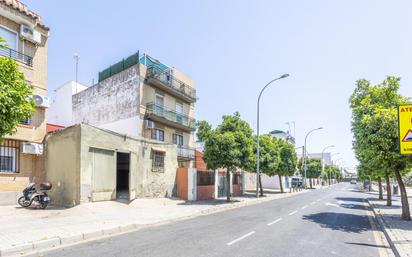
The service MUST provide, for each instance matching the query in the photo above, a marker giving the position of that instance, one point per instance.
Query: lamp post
(323, 161)
(305, 151)
(257, 128)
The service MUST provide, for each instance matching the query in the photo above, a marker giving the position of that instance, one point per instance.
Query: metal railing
(20, 57)
(167, 78)
(161, 111)
(185, 152)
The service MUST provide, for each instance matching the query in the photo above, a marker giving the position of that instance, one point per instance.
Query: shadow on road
(371, 245)
(345, 222)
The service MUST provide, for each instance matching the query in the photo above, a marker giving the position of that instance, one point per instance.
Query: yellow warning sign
(405, 128)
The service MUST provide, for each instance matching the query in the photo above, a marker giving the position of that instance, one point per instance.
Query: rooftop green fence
(120, 66)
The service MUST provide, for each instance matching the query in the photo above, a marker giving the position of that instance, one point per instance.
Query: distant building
(327, 157)
(283, 135)
(138, 96)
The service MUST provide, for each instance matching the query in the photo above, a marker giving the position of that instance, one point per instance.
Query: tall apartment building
(138, 96)
(26, 37)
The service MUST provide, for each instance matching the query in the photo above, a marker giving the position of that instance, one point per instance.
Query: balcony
(17, 56)
(185, 152)
(164, 80)
(169, 117)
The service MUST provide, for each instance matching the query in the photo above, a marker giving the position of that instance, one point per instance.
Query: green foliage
(314, 167)
(332, 172)
(288, 158)
(203, 129)
(375, 130)
(269, 157)
(16, 102)
(230, 145)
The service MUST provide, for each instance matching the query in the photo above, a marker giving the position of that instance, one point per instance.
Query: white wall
(60, 111)
(127, 126)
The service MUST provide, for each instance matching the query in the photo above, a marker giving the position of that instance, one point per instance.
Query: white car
(353, 181)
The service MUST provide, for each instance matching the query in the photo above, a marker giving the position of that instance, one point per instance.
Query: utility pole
(77, 57)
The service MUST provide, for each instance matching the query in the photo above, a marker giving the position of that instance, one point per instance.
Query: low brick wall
(205, 192)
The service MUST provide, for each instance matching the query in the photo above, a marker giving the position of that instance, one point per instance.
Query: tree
(16, 103)
(374, 126)
(229, 146)
(288, 160)
(314, 168)
(269, 159)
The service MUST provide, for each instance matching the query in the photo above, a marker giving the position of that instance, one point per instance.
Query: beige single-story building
(85, 163)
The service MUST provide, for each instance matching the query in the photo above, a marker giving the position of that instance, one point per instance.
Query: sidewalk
(24, 230)
(397, 231)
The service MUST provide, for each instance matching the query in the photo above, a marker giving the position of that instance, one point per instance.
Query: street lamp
(323, 161)
(305, 151)
(257, 148)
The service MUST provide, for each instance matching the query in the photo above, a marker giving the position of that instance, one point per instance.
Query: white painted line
(304, 207)
(313, 203)
(292, 213)
(273, 222)
(241, 238)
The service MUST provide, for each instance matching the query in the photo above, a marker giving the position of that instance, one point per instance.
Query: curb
(385, 229)
(50, 243)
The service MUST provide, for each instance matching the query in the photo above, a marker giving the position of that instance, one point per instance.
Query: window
(158, 134)
(9, 156)
(158, 161)
(10, 37)
(205, 178)
(236, 179)
(26, 121)
(178, 139)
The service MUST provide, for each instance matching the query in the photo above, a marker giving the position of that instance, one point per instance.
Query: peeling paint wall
(113, 99)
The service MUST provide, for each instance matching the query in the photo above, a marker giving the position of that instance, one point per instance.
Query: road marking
(332, 204)
(312, 203)
(273, 222)
(292, 213)
(241, 238)
(304, 207)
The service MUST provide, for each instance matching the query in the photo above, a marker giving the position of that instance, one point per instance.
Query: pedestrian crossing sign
(405, 128)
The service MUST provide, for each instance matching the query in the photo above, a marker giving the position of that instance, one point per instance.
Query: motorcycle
(32, 196)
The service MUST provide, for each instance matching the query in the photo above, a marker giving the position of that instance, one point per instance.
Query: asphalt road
(325, 222)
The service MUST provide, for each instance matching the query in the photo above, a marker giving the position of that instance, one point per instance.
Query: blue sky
(232, 48)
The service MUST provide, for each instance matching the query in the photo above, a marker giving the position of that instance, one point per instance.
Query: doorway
(122, 176)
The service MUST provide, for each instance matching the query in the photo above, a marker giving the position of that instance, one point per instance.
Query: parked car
(353, 181)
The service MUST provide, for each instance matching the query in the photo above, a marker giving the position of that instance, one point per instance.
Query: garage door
(103, 174)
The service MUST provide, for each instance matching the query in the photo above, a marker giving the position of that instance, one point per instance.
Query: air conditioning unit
(30, 34)
(41, 101)
(149, 124)
(32, 148)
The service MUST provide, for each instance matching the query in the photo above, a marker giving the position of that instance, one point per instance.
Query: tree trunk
(406, 215)
(310, 183)
(280, 183)
(388, 190)
(380, 188)
(260, 185)
(227, 185)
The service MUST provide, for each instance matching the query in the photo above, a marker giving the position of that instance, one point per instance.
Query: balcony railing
(20, 57)
(170, 115)
(167, 79)
(185, 152)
